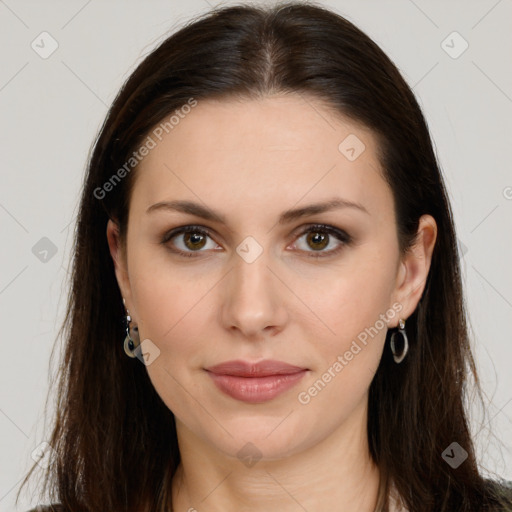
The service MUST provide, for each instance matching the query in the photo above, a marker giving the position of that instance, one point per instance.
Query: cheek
(174, 313)
(356, 309)
(347, 355)
(173, 306)
(353, 301)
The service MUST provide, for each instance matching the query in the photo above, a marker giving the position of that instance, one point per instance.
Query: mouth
(255, 382)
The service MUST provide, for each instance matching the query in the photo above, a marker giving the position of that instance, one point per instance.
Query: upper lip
(264, 368)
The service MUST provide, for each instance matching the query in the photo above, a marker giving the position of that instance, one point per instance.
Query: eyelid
(341, 235)
(188, 228)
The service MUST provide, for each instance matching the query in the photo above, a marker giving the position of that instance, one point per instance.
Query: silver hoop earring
(400, 332)
(132, 339)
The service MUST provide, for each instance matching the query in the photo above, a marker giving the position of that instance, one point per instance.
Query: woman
(264, 210)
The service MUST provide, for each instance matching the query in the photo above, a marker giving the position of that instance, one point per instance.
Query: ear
(118, 253)
(414, 267)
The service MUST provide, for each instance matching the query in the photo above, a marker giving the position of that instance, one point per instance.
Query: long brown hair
(114, 438)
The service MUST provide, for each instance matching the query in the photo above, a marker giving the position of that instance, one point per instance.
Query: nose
(254, 299)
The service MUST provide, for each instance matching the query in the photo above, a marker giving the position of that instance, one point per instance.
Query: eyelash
(341, 235)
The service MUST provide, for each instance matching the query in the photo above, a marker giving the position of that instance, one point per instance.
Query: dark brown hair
(114, 438)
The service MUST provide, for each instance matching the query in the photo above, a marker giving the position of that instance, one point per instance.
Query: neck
(336, 473)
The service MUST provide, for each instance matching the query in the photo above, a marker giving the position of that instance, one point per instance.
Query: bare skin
(250, 161)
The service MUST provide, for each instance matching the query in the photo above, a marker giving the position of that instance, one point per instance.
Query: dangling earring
(400, 331)
(132, 339)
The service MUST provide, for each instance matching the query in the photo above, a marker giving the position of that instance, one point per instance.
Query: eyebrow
(286, 217)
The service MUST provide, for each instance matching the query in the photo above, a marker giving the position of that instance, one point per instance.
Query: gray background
(52, 108)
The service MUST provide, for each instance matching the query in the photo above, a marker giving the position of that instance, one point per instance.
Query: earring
(132, 339)
(400, 331)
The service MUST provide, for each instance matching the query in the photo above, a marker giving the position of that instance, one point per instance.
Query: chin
(263, 437)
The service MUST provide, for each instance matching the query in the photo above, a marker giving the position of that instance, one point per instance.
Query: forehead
(259, 153)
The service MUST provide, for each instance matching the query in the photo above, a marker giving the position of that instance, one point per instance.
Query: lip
(255, 382)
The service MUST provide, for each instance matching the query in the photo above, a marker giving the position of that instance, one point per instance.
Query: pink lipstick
(255, 382)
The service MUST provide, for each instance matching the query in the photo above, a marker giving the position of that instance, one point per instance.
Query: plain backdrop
(457, 57)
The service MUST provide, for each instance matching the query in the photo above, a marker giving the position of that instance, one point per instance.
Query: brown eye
(318, 237)
(188, 241)
(194, 240)
(317, 240)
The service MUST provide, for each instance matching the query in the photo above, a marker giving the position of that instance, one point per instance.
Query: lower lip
(256, 389)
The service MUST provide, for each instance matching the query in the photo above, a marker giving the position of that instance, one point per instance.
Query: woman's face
(264, 283)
